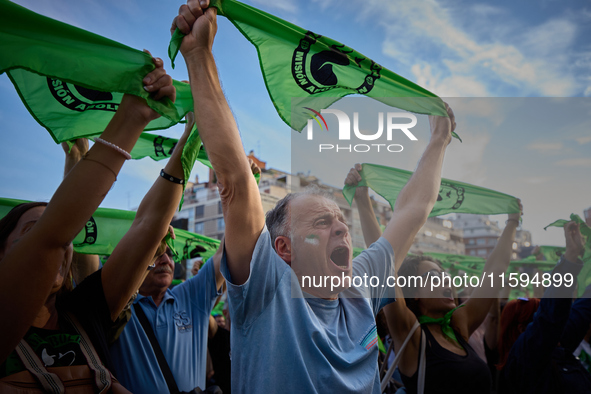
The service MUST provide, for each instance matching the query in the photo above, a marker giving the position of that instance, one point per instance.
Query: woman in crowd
(451, 364)
(47, 318)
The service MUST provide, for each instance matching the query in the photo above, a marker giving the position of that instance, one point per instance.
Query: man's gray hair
(278, 220)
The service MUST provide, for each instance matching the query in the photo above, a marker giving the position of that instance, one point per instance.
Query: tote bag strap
(49, 381)
(102, 376)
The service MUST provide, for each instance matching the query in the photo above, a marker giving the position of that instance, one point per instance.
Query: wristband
(170, 178)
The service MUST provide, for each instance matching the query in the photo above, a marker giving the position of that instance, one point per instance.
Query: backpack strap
(102, 376)
(50, 382)
(422, 364)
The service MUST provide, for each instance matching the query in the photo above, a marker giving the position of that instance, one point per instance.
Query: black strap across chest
(170, 382)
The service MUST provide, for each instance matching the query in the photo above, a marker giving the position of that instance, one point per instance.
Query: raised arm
(471, 316)
(417, 198)
(413, 205)
(369, 223)
(533, 349)
(580, 316)
(82, 264)
(243, 211)
(40, 252)
(126, 267)
(491, 332)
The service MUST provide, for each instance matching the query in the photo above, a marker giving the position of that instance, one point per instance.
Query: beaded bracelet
(113, 146)
(170, 178)
(512, 220)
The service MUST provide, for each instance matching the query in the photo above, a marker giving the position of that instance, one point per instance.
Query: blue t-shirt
(181, 324)
(285, 344)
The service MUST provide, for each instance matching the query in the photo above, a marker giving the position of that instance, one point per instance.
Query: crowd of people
(124, 328)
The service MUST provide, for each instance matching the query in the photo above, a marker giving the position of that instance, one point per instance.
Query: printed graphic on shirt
(56, 350)
(183, 322)
(370, 338)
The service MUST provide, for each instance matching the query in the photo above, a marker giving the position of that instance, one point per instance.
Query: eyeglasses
(168, 253)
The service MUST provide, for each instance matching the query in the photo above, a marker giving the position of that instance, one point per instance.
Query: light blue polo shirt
(180, 324)
(284, 344)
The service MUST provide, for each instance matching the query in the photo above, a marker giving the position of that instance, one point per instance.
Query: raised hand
(516, 216)
(253, 167)
(78, 150)
(158, 84)
(353, 178)
(574, 241)
(199, 23)
(75, 154)
(442, 126)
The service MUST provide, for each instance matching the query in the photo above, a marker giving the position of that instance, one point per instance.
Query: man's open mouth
(340, 257)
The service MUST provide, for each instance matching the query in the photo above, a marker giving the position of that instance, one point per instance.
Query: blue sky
(455, 49)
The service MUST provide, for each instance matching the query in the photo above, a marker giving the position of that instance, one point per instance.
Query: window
(220, 207)
(471, 241)
(199, 228)
(199, 210)
(481, 241)
(221, 224)
(481, 252)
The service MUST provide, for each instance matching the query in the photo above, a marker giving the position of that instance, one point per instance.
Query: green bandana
(453, 196)
(218, 309)
(287, 56)
(443, 322)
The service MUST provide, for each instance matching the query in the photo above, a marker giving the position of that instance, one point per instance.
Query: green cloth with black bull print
(453, 197)
(72, 81)
(106, 227)
(305, 72)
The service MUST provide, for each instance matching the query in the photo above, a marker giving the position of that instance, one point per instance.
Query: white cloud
(550, 38)
(452, 86)
(538, 180)
(324, 4)
(583, 140)
(582, 162)
(534, 62)
(283, 5)
(486, 10)
(546, 147)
